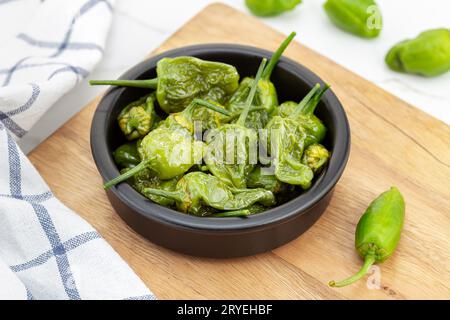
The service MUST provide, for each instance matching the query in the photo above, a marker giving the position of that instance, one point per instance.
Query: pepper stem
(251, 95)
(127, 175)
(276, 56)
(175, 195)
(228, 214)
(298, 109)
(211, 106)
(369, 260)
(310, 107)
(148, 83)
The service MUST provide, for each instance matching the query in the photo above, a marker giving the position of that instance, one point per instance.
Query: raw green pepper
(170, 150)
(316, 157)
(127, 155)
(378, 232)
(360, 17)
(197, 190)
(230, 146)
(138, 118)
(265, 8)
(182, 79)
(266, 99)
(289, 136)
(427, 55)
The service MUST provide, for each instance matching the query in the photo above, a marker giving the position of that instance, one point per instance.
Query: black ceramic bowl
(222, 237)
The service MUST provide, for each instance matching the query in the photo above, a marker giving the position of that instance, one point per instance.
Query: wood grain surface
(393, 143)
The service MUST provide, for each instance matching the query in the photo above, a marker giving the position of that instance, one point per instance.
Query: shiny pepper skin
(265, 8)
(360, 17)
(427, 55)
(137, 118)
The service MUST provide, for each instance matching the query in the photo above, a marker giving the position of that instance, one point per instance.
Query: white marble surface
(139, 26)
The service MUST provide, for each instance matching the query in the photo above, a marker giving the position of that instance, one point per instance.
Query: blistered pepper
(197, 190)
(316, 156)
(427, 55)
(127, 155)
(266, 99)
(170, 150)
(230, 146)
(265, 8)
(182, 79)
(378, 232)
(360, 17)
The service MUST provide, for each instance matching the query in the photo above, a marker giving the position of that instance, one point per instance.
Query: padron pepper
(138, 118)
(360, 17)
(197, 190)
(378, 232)
(265, 8)
(170, 150)
(260, 179)
(427, 55)
(288, 138)
(230, 146)
(182, 79)
(266, 99)
(316, 156)
(127, 155)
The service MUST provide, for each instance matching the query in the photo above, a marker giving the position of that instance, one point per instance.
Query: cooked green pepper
(316, 157)
(182, 79)
(127, 155)
(289, 136)
(259, 179)
(137, 118)
(170, 150)
(266, 99)
(360, 17)
(265, 8)
(378, 232)
(229, 147)
(427, 55)
(197, 190)
(253, 209)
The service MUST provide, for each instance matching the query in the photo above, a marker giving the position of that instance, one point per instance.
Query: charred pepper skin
(378, 232)
(197, 190)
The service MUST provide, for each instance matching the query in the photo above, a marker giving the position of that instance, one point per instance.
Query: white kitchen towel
(46, 250)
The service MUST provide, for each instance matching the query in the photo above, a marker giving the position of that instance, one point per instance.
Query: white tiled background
(139, 26)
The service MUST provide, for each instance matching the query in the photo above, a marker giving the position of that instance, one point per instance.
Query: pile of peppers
(166, 162)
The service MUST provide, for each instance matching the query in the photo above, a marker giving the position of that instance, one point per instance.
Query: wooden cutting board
(393, 143)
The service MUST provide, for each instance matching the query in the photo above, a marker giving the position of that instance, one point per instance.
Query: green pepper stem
(175, 195)
(127, 175)
(211, 106)
(310, 107)
(369, 260)
(236, 213)
(251, 95)
(148, 83)
(276, 56)
(299, 108)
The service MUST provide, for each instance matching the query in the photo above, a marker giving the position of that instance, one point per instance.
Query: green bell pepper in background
(427, 55)
(196, 190)
(138, 118)
(316, 157)
(264, 8)
(127, 155)
(182, 79)
(233, 171)
(378, 232)
(170, 150)
(266, 96)
(360, 17)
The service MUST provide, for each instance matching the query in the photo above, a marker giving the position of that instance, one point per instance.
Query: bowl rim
(289, 210)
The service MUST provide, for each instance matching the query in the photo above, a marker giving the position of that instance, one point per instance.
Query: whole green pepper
(253, 209)
(235, 140)
(197, 190)
(265, 8)
(289, 136)
(360, 17)
(427, 55)
(138, 118)
(378, 232)
(266, 99)
(170, 150)
(259, 179)
(127, 155)
(316, 157)
(182, 79)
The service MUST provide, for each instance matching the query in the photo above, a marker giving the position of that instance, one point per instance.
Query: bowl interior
(292, 81)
